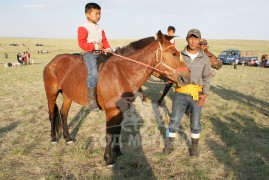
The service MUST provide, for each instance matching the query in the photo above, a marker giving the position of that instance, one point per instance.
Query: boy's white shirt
(94, 32)
(172, 40)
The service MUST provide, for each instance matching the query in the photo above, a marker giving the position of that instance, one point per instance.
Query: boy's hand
(108, 50)
(100, 47)
(201, 101)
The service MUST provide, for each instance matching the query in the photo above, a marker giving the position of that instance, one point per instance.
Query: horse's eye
(174, 54)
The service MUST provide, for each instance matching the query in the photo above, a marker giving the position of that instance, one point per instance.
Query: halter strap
(129, 59)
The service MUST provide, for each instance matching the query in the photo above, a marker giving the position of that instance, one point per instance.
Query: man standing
(192, 95)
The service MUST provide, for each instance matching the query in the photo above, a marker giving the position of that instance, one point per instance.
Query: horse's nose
(184, 78)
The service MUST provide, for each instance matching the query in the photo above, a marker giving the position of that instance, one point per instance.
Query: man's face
(193, 42)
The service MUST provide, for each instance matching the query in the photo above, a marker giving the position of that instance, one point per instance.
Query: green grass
(233, 145)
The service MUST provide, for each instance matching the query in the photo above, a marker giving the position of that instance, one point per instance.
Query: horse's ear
(168, 37)
(160, 37)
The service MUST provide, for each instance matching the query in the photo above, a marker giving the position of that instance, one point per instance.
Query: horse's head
(168, 61)
(215, 62)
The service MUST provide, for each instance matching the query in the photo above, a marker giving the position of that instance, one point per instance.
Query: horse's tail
(57, 122)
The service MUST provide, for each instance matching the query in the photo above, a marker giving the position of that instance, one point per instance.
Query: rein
(154, 68)
(129, 59)
(157, 60)
(155, 82)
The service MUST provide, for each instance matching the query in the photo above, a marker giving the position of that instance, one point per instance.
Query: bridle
(162, 58)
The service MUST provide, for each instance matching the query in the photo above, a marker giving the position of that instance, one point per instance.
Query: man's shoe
(168, 145)
(194, 148)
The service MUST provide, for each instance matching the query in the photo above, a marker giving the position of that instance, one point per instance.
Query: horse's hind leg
(54, 116)
(64, 113)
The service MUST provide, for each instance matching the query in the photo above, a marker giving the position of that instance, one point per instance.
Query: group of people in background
(24, 59)
(258, 63)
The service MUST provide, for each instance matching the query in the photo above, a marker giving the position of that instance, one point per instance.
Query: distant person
(6, 55)
(24, 58)
(203, 44)
(264, 60)
(15, 64)
(171, 30)
(235, 63)
(28, 60)
(19, 58)
(257, 62)
(92, 40)
(252, 62)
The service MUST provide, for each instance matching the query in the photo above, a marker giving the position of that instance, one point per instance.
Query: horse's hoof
(144, 99)
(118, 154)
(111, 165)
(70, 142)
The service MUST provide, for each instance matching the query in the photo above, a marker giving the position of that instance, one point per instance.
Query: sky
(134, 19)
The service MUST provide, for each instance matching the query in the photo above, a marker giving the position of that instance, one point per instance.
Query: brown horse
(119, 79)
(215, 63)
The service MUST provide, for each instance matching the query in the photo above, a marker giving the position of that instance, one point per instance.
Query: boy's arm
(82, 40)
(104, 41)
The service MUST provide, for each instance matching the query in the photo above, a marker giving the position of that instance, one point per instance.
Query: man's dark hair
(90, 6)
(171, 28)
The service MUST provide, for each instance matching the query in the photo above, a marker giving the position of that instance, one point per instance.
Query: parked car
(232, 56)
(13, 44)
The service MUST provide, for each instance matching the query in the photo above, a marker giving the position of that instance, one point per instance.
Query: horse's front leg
(117, 141)
(144, 98)
(165, 91)
(114, 119)
(108, 151)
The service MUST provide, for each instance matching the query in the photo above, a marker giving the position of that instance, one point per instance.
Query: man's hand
(201, 101)
(166, 73)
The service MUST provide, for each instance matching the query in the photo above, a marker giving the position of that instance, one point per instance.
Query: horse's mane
(127, 50)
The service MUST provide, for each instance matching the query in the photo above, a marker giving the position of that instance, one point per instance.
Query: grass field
(234, 141)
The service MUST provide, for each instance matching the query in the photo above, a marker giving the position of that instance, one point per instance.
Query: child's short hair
(90, 6)
(171, 28)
